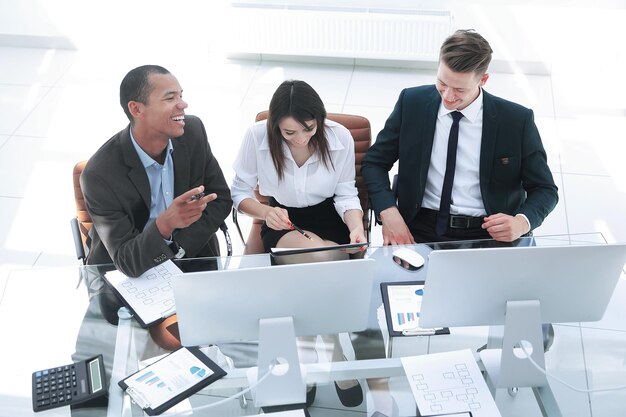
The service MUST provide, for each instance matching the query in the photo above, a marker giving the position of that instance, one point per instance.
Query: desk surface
(49, 317)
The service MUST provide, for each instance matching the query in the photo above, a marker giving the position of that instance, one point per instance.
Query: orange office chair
(361, 132)
(82, 223)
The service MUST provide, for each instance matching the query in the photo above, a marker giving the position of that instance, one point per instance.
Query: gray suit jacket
(514, 173)
(117, 195)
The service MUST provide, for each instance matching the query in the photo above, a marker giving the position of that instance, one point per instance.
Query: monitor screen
(226, 305)
(470, 287)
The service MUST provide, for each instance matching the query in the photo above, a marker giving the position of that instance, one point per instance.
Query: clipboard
(173, 378)
(405, 317)
(150, 296)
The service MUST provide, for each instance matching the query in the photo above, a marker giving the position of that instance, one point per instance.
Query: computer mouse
(408, 259)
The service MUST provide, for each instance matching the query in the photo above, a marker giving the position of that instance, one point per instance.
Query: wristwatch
(178, 250)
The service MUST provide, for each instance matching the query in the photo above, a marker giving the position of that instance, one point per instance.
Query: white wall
(26, 23)
(524, 35)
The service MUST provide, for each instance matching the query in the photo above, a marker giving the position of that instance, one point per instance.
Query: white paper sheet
(449, 382)
(150, 295)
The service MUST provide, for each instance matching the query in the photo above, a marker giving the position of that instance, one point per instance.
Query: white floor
(57, 107)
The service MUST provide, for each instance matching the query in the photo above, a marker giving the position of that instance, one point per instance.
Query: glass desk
(54, 316)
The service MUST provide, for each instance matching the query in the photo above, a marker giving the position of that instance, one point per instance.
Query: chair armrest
(78, 241)
(236, 222)
(229, 243)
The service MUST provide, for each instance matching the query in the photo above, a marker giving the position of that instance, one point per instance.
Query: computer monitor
(519, 287)
(273, 304)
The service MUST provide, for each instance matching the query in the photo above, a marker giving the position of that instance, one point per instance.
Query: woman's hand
(357, 235)
(354, 220)
(278, 219)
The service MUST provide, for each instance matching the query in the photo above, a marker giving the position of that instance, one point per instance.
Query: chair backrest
(361, 132)
(82, 215)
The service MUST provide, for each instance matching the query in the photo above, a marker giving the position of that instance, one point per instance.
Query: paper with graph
(449, 382)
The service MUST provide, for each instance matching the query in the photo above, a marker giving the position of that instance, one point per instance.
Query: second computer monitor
(470, 287)
(521, 288)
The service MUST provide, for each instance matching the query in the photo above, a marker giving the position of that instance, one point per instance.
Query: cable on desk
(546, 373)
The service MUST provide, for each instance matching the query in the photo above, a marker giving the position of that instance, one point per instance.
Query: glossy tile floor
(57, 107)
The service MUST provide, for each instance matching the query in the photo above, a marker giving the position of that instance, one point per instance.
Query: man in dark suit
(501, 186)
(154, 190)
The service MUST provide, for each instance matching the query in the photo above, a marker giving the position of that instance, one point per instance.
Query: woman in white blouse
(305, 164)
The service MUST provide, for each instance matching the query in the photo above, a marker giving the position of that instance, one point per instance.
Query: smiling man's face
(458, 89)
(164, 112)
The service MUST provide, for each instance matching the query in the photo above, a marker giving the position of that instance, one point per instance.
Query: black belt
(455, 221)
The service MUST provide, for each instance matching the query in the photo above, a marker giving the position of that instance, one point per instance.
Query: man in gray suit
(500, 185)
(154, 190)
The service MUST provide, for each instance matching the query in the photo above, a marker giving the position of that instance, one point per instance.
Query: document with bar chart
(171, 379)
(403, 302)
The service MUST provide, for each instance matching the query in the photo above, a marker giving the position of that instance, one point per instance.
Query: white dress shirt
(466, 195)
(303, 186)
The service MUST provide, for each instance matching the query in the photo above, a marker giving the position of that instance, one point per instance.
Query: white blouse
(302, 186)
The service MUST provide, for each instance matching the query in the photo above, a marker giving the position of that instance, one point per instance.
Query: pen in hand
(293, 226)
(196, 197)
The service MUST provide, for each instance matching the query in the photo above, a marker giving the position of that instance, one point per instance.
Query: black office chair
(82, 223)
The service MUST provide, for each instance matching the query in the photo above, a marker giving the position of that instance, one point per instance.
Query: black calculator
(69, 384)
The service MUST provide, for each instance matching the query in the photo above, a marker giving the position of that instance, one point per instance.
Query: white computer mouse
(411, 257)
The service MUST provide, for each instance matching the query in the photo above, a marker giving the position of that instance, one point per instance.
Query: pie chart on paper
(197, 371)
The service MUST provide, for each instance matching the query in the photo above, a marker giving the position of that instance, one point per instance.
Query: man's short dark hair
(136, 87)
(466, 51)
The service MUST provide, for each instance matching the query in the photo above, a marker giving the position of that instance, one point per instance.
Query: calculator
(69, 384)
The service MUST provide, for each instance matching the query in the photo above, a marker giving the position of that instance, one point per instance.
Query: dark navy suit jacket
(514, 174)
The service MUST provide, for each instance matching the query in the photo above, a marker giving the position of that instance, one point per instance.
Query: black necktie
(448, 179)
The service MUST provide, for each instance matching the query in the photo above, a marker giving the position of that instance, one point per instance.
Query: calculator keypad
(55, 387)
(64, 385)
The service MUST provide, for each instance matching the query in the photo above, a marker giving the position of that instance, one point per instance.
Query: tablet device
(402, 302)
(288, 256)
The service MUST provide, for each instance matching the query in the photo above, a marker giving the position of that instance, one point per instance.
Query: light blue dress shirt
(161, 178)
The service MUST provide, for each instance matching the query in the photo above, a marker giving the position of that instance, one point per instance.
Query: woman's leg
(349, 391)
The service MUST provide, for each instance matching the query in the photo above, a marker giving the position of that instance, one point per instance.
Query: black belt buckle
(460, 222)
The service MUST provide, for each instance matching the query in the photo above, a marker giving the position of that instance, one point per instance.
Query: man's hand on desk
(395, 231)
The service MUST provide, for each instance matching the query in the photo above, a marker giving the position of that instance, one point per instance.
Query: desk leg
(494, 339)
(546, 401)
(120, 362)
